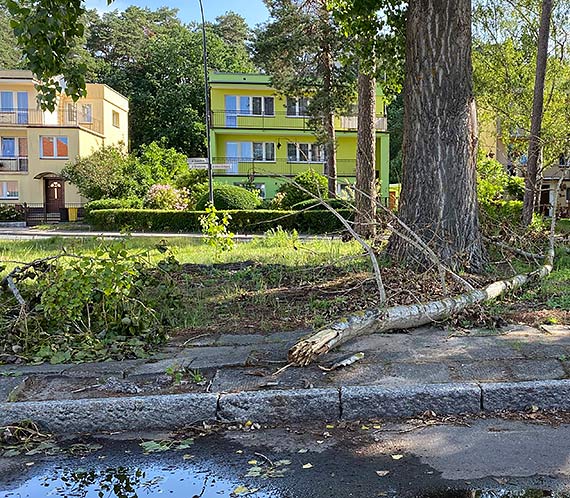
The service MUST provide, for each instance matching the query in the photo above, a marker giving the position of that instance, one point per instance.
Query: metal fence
(37, 213)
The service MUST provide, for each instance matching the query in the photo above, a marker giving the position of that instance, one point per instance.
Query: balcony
(35, 117)
(240, 166)
(13, 164)
(282, 121)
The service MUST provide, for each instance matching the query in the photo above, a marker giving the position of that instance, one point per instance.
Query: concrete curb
(140, 413)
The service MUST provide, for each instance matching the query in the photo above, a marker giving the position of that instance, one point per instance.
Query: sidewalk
(400, 375)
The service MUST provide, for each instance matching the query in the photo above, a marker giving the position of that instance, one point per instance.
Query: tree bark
(438, 198)
(531, 180)
(330, 146)
(365, 196)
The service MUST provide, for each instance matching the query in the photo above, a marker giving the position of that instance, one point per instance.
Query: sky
(253, 11)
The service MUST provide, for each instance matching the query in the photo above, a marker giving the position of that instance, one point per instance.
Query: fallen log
(404, 317)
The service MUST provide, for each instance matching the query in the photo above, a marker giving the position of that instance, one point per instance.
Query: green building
(259, 135)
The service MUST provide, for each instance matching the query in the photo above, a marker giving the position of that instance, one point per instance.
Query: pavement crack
(480, 396)
(340, 403)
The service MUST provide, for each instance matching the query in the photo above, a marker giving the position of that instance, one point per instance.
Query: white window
(297, 107)
(116, 119)
(305, 153)
(54, 148)
(9, 190)
(256, 106)
(263, 151)
(86, 113)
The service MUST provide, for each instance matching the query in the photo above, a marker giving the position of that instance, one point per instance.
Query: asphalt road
(466, 458)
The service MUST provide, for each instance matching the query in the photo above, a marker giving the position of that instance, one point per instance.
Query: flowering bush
(166, 197)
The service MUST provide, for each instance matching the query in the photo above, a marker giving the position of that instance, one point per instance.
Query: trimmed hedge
(132, 203)
(334, 203)
(245, 221)
(230, 197)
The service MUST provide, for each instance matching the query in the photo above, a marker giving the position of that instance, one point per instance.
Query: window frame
(81, 115)
(297, 107)
(4, 190)
(54, 139)
(248, 111)
(310, 149)
(118, 123)
(264, 152)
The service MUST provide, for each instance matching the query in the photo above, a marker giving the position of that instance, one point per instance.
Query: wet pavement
(418, 458)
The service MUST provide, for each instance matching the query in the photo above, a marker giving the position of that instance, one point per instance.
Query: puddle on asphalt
(120, 469)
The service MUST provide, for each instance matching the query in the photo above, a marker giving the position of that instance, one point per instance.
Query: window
(70, 113)
(568, 194)
(54, 148)
(6, 101)
(8, 147)
(255, 106)
(9, 190)
(85, 113)
(297, 107)
(305, 153)
(263, 151)
(116, 120)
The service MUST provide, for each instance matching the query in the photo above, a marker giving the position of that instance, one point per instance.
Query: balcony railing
(282, 121)
(36, 117)
(13, 164)
(280, 167)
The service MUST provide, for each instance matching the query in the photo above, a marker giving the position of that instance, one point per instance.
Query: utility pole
(207, 104)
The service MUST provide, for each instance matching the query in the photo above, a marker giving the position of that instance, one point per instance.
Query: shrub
(230, 197)
(244, 221)
(508, 212)
(163, 164)
(132, 202)
(196, 184)
(166, 197)
(108, 173)
(9, 212)
(309, 180)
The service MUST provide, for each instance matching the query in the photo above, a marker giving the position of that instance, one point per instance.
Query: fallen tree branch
(410, 316)
(514, 250)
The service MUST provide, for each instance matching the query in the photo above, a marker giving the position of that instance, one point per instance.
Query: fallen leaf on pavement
(308, 466)
(382, 473)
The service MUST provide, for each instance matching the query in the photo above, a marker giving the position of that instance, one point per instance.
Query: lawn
(273, 283)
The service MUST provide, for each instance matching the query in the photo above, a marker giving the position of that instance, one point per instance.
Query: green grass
(563, 226)
(296, 253)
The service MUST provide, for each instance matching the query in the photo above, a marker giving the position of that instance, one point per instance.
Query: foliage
(504, 64)
(376, 31)
(494, 183)
(215, 228)
(9, 53)
(166, 197)
(395, 117)
(196, 184)
(165, 164)
(303, 185)
(230, 197)
(109, 172)
(83, 308)
(9, 212)
(128, 203)
(47, 32)
(255, 221)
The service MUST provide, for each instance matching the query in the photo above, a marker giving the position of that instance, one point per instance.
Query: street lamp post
(207, 104)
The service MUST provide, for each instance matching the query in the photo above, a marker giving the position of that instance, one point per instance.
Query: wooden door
(54, 194)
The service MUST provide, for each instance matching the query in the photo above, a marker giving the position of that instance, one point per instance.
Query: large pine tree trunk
(532, 181)
(438, 198)
(365, 197)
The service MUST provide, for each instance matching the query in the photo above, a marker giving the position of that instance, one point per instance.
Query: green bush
(509, 212)
(9, 212)
(310, 181)
(334, 203)
(230, 197)
(242, 221)
(166, 197)
(131, 203)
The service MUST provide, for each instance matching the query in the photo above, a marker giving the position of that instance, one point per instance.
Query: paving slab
(419, 373)
(547, 369)
(482, 371)
(9, 386)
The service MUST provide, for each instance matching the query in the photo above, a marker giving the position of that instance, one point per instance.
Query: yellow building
(259, 135)
(35, 145)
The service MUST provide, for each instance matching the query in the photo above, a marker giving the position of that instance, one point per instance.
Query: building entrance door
(54, 194)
